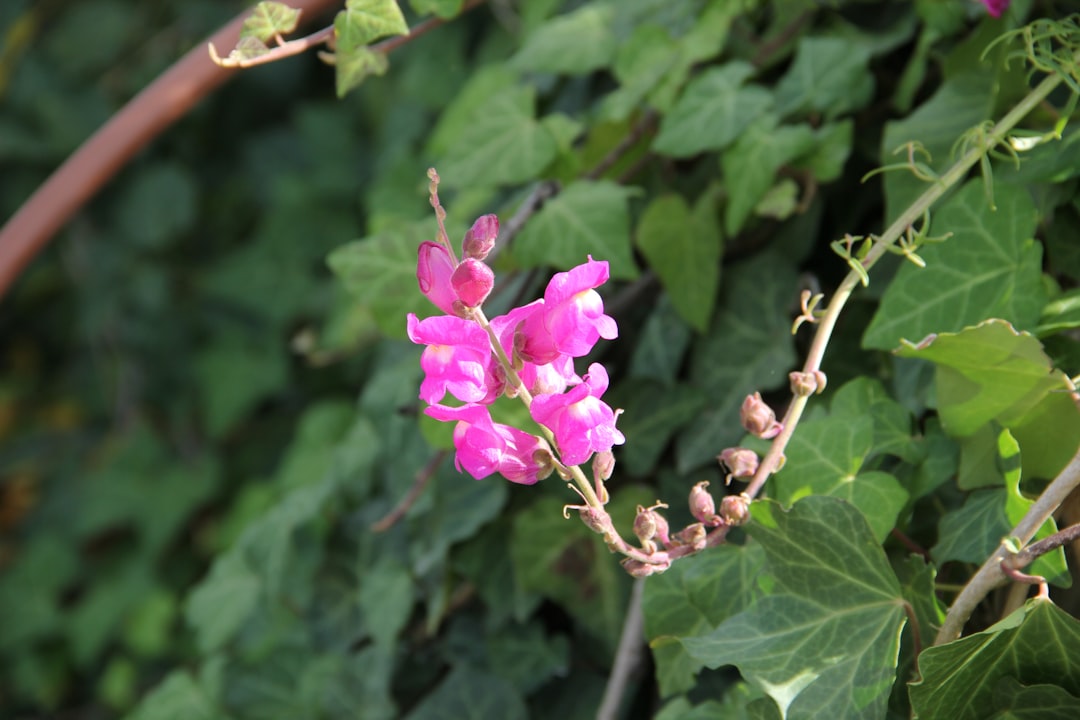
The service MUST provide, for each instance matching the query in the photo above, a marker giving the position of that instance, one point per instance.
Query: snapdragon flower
(572, 317)
(581, 421)
(457, 359)
(485, 447)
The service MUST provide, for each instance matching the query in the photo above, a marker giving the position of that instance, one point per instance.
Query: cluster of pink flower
(996, 7)
(529, 353)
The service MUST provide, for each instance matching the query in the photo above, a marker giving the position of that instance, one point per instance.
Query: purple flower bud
(735, 509)
(758, 418)
(480, 238)
(603, 465)
(644, 524)
(702, 505)
(639, 569)
(472, 281)
(740, 462)
(433, 270)
(692, 535)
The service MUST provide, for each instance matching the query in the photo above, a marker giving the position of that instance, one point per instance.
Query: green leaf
(829, 75)
(993, 373)
(750, 165)
(748, 348)
(223, 602)
(659, 351)
(989, 268)
(1063, 313)
(380, 271)
(269, 19)
(972, 532)
(234, 376)
(177, 697)
(864, 397)
(587, 218)
(824, 642)
(527, 657)
(714, 110)
(472, 694)
(1033, 702)
(355, 63)
(385, 599)
(652, 414)
(502, 144)
(1036, 645)
(690, 600)
(826, 457)
(685, 253)
(365, 20)
(640, 64)
(834, 145)
(575, 43)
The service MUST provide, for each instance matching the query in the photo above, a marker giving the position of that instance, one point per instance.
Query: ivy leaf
(652, 414)
(269, 19)
(830, 75)
(575, 43)
(714, 109)
(690, 600)
(748, 348)
(640, 65)
(750, 165)
(587, 218)
(990, 268)
(223, 601)
(660, 349)
(502, 144)
(363, 21)
(824, 642)
(472, 694)
(354, 63)
(1033, 702)
(1036, 645)
(177, 697)
(892, 422)
(684, 249)
(993, 373)
(833, 144)
(380, 271)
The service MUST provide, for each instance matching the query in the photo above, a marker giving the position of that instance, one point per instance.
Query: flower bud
(434, 267)
(639, 569)
(603, 465)
(644, 524)
(804, 384)
(692, 535)
(758, 418)
(480, 238)
(472, 281)
(702, 505)
(735, 509)
(740, 462)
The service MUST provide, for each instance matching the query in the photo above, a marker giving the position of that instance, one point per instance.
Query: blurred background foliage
(199, 425)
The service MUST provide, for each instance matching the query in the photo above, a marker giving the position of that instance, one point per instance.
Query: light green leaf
(587, 218)
(380, 271)
(834, 144)
(472, 694)
(575, 43)
(502, 144)
(829, 75)
(748, 348)
(1063, 313)
(714, 109)
(640, 64)
(865, 397)
(363, 21)
(685, 253)
(353, 64)
(750, 165)
(993, 373)
(780, 201)
(222, 602)
(177, 697)
(470, 101)
(825, 641)
(989, 268)
(269, 19)
(1035, 645)
(690, 600)
(1033, 702)
(826, 457)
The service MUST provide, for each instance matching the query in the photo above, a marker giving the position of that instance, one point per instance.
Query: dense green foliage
(207, 401)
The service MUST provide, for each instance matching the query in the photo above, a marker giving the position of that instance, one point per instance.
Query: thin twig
(423, 477)
(1036, 549)
(627, 655)
(278, 52)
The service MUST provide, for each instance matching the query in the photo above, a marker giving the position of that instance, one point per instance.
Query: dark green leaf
(829, 76)
(824, 641)
(468, 694)
(587, 218)
(652, 415)
(177, 697)
(1033, 702)
(1035, 645)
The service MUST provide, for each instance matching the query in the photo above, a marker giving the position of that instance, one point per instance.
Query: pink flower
(573, 316)
(548, 378)
(485, 447)
(480, 239)
(472, 282)
(457, 359)
(996, 7)
(582, 423)
(434, 268)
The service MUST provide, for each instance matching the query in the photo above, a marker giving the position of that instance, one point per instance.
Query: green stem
(892, 234)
